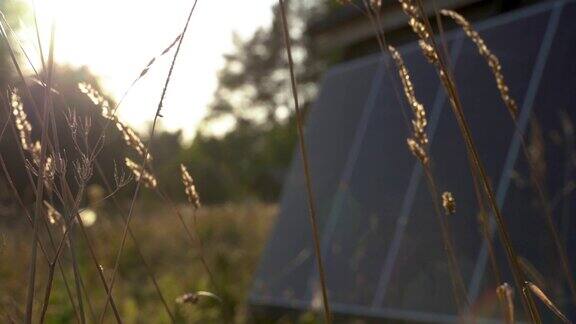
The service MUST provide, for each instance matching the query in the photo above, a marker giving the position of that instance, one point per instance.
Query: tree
(253, 98)
(253, 85)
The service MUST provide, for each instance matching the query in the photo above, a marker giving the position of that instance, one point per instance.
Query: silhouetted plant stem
(77, 276)
(39, 187)
(145, 160)
(136, 243)
(458, 287)
(193, 238)
(510, 103)
(46, 142)
(29, 218)
(42, 248)
(308, 178)
(447, 81)
(548, 215)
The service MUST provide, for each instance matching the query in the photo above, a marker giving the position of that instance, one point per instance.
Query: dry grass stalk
(52, 214)
(130, 137)
(148, 178)
(43, 249)
(33, 148)
(418, 143)
(531, 272)
(189, 187)
(536, 154)
(47, 115)
(414, 8)
(194, 297)
(97, 99)
(30, 169)
(542, 296)
(449, 203)
(21, 120)
(506, 298)
(145, 160)
(490, 58)
(306, 167)
(535, 166)
(121, 180)
(376, 4)
(149, 65)
(416, 21)
(132, 140)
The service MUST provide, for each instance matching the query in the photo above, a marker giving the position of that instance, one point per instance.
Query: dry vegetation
(141, 262)
(233, 237)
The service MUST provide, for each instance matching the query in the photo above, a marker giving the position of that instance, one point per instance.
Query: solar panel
(380, 238)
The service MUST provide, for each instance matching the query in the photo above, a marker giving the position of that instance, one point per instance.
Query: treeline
(247, 162)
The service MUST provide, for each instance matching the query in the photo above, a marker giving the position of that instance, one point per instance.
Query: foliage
(233, 237)
(247, 163)
(253, 86)
(253, 100)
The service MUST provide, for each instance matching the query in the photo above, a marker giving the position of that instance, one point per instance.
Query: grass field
(74, 251)
(233, 236)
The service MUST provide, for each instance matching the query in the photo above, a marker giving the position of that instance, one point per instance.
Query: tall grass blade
(421, 26)
(544, 299)
(496, 68)
(308, 178)
(506, 298)
(145, 159)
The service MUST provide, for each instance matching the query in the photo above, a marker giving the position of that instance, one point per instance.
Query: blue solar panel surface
(380, 238)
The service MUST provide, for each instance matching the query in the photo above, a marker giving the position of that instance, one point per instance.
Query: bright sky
(117, 38)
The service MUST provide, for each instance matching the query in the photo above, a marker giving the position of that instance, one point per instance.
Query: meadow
(233, 237)
(96, 239)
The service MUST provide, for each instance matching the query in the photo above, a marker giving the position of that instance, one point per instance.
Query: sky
(115, 39)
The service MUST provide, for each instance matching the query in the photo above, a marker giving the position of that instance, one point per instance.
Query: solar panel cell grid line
(381, 137)
(485, 112)
(405, 211)
(555, 109)
(364, 177)
(328, 229)
(513, 151)
(554, 95)
(330, 129)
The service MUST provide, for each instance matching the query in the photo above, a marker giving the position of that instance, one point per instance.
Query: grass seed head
(132, 140)
(147, 178)
(506, 298)
(416, 22)
(449, 203)
(97, 99)
(24, 129)
(544, 299)
(23, 126)
(51, 213)
(490, 58)
(418, 142)
(194, 297)
(189, 187)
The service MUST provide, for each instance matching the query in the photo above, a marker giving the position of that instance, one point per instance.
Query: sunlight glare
(115, 40)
